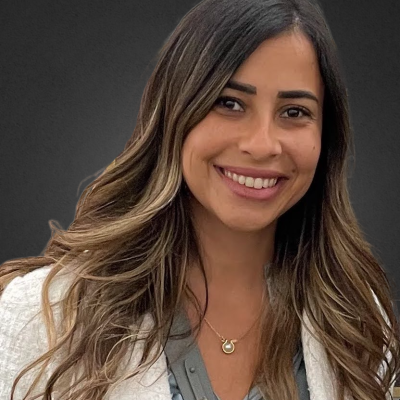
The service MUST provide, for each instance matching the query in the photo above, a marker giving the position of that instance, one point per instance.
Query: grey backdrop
(71, 77)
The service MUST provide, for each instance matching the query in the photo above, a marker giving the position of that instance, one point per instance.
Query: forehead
(285, 62)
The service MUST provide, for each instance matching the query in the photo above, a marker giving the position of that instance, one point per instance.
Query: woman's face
(255, 153)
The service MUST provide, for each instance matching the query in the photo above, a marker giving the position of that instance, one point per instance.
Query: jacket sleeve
(383, 367)
(23, 335)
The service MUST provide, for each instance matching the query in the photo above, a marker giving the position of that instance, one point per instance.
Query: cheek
(195, 155)
(305, 153)
(202, 144)
(188, 159)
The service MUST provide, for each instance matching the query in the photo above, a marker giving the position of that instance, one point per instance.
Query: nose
(261, 140)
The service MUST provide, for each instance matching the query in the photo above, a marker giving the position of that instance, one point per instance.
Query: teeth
(249, 182)
(256, 183)
(269, 182)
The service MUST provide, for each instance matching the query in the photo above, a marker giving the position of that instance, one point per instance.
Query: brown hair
(134, 221)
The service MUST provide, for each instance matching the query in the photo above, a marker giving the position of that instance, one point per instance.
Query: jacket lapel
(320, 377)
(153, 384)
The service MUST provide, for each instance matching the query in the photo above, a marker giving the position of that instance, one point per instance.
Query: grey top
(188, 376)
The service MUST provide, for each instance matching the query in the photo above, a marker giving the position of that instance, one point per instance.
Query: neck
(233, 260)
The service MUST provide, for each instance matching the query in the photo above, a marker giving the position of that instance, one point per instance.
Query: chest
(314, 376)
(231, 375)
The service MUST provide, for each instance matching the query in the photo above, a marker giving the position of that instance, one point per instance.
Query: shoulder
(25, 289)
(23, 339)
(23, 336)
(24, 293)
(21, 300)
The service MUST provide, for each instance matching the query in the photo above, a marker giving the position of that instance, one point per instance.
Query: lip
(250, 193)
(254, 173)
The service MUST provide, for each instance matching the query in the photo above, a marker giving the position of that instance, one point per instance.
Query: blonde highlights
(131, 243)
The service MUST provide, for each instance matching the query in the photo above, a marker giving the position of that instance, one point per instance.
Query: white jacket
(23, 339)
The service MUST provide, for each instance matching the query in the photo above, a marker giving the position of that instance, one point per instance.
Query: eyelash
(227, 98)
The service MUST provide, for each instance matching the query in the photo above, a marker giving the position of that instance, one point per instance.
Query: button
(192, 369)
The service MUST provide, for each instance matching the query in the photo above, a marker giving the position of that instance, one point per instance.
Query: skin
(260, 131)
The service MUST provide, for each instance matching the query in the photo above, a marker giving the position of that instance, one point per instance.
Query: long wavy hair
(132, 239)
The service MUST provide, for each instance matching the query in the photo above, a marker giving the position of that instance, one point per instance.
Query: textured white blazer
(23, 339)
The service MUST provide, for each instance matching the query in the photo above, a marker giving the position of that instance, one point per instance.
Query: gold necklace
(228, 345)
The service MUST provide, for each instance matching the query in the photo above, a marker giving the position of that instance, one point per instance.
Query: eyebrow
(284, 94)
(297, 94)
(243, 87)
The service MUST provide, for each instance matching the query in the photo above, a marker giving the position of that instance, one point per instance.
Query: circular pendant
(228, 347)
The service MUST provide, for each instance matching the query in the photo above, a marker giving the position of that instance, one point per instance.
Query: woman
(219, 256)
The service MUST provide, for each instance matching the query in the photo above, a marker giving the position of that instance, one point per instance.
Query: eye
(229, 103)
(296, 112)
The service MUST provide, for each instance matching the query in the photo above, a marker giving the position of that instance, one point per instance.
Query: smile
(249, 181)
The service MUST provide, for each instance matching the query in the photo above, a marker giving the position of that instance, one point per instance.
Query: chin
(245, 224)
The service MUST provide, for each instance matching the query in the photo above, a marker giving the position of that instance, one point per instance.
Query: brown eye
(296, 112)
(229, 103)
